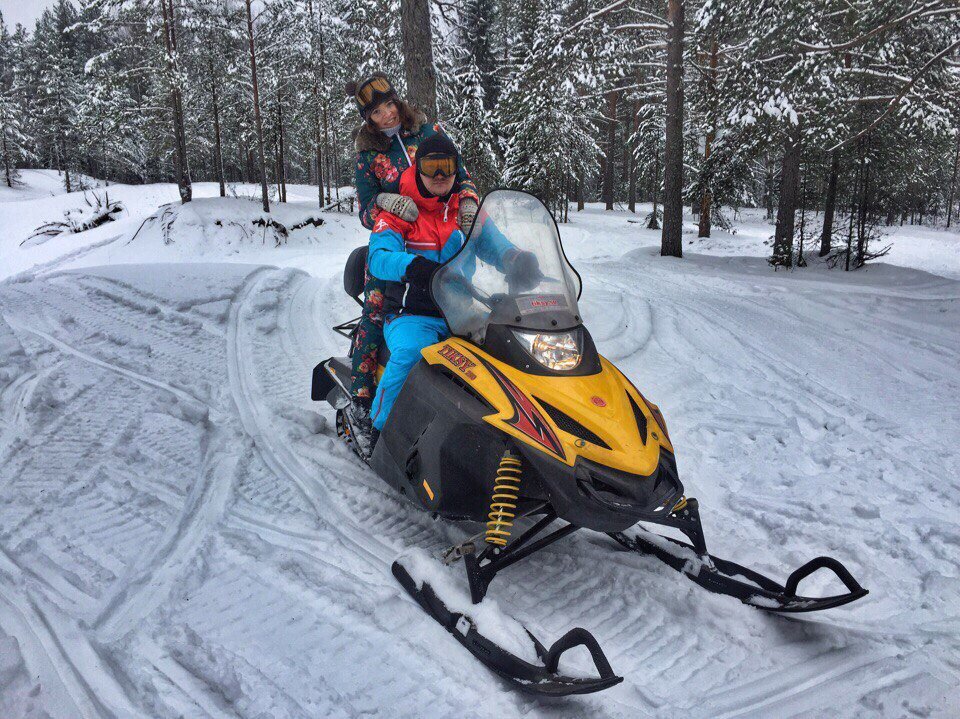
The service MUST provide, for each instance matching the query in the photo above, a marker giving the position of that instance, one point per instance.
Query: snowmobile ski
(542, 679)
(720, 576)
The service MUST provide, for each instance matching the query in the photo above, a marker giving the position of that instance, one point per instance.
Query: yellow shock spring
(503, 503)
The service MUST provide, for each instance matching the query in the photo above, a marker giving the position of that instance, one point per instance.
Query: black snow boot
(363, 436)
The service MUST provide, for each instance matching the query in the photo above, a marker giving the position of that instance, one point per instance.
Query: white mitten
(399, 205)
(467, 214)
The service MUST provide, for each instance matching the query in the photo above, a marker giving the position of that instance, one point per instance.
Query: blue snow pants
(406, 335)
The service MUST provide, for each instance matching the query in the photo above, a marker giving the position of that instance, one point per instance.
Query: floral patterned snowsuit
(377, 172)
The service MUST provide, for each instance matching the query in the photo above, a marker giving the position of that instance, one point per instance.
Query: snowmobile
(517, 422)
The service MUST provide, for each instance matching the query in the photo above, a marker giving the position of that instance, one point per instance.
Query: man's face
(438, 185)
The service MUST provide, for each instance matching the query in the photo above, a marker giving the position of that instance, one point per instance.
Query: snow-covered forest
(845, 109)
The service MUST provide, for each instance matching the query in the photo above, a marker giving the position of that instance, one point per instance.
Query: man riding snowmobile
(407, 254)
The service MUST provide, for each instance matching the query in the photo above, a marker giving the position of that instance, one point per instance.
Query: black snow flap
(321, 383)
(535, 679)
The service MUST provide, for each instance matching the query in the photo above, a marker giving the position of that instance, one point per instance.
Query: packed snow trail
(181, 534)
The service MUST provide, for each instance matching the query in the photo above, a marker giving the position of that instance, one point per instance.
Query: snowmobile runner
(516, 420)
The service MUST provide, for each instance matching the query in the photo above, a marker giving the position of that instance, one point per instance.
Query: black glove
(523, 271)
(418, 276)
(420, 271)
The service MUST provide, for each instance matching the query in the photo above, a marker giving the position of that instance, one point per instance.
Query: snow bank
(221, 225)
(44, 183)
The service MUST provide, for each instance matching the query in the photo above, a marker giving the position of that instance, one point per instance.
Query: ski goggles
(433, 165)
(371, 88)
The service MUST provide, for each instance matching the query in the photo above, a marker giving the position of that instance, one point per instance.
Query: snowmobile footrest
(543, 679)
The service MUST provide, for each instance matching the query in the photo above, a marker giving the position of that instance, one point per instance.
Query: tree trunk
(66, 165)
(610, 160)
(580, 204)
(706, 199)
(853, 215)
(632, 151)
(789, 182)
(256, 111)
(829, 207)
(654, 223)
(862, 238)
(671, 241)
(218, 147)
(769, 196)
(319, 76)
(418, 55)
(181, 166)
(337, 174)
(8, 175)
(282, 178)
(953, 182)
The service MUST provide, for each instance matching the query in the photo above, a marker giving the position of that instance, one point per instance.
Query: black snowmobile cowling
(518, 423)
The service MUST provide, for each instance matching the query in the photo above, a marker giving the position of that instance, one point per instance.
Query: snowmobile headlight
(557, 351)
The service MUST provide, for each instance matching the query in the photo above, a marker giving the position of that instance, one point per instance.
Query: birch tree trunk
(671, 240)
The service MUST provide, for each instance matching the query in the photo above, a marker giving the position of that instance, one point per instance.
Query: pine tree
(12, 135)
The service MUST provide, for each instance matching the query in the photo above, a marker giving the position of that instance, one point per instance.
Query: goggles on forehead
(433, 165)
(371, 88)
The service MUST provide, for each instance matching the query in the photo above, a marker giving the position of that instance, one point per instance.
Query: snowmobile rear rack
(720, 575)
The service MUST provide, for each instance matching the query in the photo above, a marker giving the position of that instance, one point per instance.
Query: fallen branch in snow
(338, 205)
(100, 211)
(841, 253)
(312, 221)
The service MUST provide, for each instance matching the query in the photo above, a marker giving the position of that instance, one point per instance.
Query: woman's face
(385, 115)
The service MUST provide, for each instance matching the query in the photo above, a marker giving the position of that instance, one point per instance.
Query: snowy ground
(182, 535)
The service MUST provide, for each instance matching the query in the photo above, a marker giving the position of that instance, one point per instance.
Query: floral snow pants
(367, 342)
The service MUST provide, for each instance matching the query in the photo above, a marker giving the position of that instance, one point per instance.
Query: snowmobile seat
(354, 273)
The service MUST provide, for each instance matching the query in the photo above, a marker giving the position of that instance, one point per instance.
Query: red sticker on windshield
(542, 303)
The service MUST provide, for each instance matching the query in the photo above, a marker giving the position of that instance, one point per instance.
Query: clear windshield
(511, 271)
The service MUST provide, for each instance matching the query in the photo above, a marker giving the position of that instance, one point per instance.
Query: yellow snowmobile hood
(600, 417)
